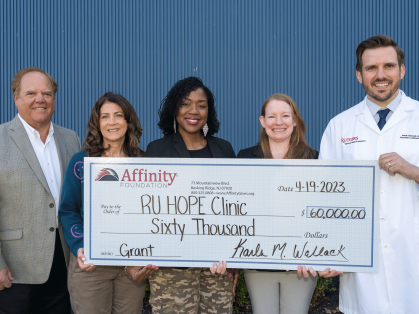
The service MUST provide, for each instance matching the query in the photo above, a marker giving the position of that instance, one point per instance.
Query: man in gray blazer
(34, 154)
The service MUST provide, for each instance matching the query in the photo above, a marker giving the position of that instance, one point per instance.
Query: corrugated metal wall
(243, 50)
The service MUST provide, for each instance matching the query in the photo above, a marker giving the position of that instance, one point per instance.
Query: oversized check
(254, 214)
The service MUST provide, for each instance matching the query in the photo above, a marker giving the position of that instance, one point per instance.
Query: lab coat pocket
(408, 149)
(416, 222)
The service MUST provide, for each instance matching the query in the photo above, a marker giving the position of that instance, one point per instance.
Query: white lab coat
(395, 288)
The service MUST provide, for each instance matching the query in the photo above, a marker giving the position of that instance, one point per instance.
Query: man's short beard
(376, 97)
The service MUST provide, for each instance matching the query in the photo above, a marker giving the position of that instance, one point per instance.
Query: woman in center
(188, 120)
(282, 135)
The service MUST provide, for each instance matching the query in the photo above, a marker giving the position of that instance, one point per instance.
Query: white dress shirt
(47, 155)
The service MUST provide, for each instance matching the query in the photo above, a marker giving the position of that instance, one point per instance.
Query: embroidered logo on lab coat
(410, 136)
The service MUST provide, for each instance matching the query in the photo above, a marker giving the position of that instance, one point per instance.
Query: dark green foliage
(147, 292)
(321, 287)
(242, 296)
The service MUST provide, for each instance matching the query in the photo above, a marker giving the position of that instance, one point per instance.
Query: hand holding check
(81, 258)
(140, 273)
(392, 163)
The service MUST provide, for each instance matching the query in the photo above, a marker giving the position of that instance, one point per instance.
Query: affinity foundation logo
(107, 174)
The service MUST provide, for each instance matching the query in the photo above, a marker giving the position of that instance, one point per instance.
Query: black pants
(50, 297)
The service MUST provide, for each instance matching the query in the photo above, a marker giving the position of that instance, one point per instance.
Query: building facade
(243, 50)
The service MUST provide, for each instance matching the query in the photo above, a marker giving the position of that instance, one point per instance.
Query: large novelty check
(254, 214)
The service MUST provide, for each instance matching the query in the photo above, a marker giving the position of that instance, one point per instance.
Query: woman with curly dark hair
(188, 120)
(113, 131)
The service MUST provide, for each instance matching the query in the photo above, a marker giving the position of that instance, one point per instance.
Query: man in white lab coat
(383, 127)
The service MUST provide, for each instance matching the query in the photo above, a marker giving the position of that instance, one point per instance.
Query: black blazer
(256, 152)
(173, 146)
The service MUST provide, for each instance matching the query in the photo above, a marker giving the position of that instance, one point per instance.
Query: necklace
(193, 148)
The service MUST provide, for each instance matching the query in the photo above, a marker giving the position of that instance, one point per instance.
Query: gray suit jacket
(27, 207)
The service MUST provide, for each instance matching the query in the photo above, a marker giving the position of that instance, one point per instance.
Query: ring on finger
(389, 164)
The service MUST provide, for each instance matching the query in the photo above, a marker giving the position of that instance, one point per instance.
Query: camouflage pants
(216, 293)
(191, 291)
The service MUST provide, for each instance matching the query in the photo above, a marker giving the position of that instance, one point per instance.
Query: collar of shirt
(32, 133)
(374, 108)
